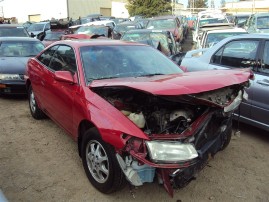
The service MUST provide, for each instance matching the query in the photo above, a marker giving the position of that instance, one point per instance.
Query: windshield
(161, 24)
(92, 30)
(15, 32)
(263, 22)
(36, 27)
(103, 62)
(140, 37)
(53, 36)
(20, 48)
(214, 38)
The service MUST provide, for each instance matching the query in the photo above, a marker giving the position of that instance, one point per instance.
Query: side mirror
(32, 35)
(41, 36)
(64, 76)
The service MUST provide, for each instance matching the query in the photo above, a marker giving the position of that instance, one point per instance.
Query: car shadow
(252, 131)
(14, 97)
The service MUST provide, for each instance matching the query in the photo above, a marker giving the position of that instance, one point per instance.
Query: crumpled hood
(180, 84)
(13, 65)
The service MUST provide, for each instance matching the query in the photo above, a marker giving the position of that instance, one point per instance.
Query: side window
(63, 59)
(45, 57)
(265, 60)
(238, 54)
(216, 58)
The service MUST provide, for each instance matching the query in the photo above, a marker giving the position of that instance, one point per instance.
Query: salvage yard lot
(39, 162)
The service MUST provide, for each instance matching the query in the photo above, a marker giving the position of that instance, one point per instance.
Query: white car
(212, 36)
(109, 23)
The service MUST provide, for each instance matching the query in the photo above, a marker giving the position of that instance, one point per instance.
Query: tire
(227, 137)
(36, 112)
(105, 174)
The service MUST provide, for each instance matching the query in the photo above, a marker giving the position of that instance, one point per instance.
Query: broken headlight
(170, 152)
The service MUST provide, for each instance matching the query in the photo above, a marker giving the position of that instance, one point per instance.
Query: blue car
(14, 54)
(242, 51)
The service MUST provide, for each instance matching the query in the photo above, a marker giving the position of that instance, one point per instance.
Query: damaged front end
(183, 131)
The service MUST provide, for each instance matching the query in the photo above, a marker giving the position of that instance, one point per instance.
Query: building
(37, 10)
(250, 6)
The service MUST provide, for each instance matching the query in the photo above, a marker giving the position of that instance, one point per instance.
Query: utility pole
(1, 10)
(253, 6)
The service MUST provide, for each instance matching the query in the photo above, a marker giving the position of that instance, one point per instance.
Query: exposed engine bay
(165, 114)
(197, 121)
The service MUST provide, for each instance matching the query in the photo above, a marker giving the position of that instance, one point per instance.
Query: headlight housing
(235, 103)
(10, 77)
(170, 152)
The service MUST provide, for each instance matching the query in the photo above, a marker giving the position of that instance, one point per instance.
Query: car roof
(163, 17)
(41, 22)
(146, 31)
(96, 42)
(235, 29)
(127, 23)
(18, 39)
(11, 25)
(228, 39)
(217, 25)
(252, 36)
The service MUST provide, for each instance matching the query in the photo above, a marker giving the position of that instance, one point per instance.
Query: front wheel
(36, 112)
(100, 163)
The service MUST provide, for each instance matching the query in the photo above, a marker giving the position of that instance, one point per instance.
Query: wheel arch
(83, 127)
(27, 84)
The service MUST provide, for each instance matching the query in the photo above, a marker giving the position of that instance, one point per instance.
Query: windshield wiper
(101, 78)
(153, 74)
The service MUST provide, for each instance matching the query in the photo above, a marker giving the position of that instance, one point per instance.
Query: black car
(13, 30)
(14, 54)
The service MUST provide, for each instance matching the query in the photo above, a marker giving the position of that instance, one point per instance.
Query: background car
(10, 30)
(101, 30)
(57, 29)
(133, 112)
(240, 19)
(243, 51)
(161, 40)
(38, 28)
(120, 20)
(168, 23)
(14, 54)
(257, 23)
(197, 32)
(214, 33)
(121, 28)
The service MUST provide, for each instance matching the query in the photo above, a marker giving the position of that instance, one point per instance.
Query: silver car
(242, 51)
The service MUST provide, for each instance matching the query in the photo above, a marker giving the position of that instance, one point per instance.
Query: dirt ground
(39, 162)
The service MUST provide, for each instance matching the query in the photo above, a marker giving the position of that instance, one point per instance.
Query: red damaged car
(135, 115)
